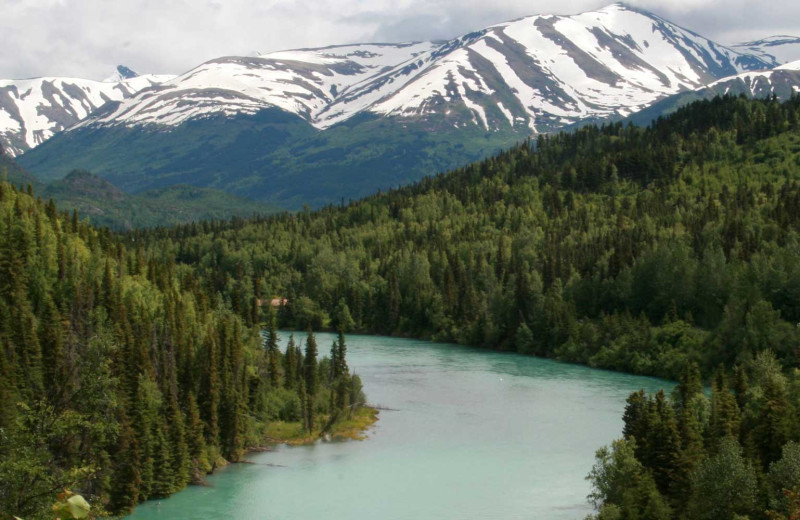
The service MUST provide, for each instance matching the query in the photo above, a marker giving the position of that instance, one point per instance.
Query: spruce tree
(290, 365)
(725, 417)
(126, 479)
(690, 385)
(210, 389)
(773, 424)
(196, 443)
(272, 348)
(665, 442)
(310, 377)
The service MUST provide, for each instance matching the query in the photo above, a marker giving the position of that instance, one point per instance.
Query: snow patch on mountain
(795, 65)
(776, 50)
(534, 74)
(537, 73)
(33, 110)
(553, 70)
(780, 81)
(303, 82)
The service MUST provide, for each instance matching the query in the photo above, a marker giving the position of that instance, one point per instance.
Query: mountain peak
(121, 74)
(125, 72)
(623, 6)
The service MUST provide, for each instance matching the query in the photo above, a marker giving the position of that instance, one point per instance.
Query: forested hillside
(124, 377)
(620, 247)
(106, 205)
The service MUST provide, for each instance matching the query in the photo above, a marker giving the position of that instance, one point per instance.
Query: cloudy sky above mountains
(88, 38)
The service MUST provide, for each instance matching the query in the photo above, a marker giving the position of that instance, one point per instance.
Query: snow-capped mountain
(313, 126)
(122, 73)
(777, 50)
(301, 82)
(537, 74)
(782, 82)
(33, 110)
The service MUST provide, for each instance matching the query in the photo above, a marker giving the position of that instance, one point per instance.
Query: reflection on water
(471, 435)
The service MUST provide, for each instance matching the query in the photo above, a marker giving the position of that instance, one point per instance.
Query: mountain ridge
(592, 64)
(33, 110)
(782, 82)
(315, 126)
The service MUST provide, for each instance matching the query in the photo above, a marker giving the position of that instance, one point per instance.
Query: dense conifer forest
(620, 247)
(123, 378)
(669, 251)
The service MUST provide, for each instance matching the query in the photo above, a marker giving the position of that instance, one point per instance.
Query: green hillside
(103, 204)
(12, 172)
(123, 379)
(624, 248)
(669, 251)
(272, 156)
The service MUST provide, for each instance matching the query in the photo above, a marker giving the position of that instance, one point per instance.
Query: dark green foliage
(725, 417)
(272, 348)
(291, 362)
(695, 457)
(644, 250)
(784, 475)
(310, 380)
(691, 384)
(103, 204)
(691, 257)
(724, 485)
(624, 489)
(106, 205)
(123, 375)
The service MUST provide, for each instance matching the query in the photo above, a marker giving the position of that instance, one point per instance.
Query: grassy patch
(291, 433)
(355, 427)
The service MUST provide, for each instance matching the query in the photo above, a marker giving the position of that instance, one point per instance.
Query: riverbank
(463, 433)
(354, 428)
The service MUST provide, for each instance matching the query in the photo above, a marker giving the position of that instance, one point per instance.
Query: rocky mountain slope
(538, 73)
(777, 50)
(33, 110)
(318, 125)
(782, 82)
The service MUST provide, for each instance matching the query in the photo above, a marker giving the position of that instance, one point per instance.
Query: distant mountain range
(33, 110)
(775, 49)
(781, 81)
(320, 125)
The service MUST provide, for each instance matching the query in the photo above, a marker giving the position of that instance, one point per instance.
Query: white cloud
(88, 38)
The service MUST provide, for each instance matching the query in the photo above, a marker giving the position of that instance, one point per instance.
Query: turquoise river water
(471, 434)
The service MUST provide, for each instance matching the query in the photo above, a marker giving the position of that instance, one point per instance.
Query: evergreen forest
(123, 378)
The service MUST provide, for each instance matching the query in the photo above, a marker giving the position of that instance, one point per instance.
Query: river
(471, 434)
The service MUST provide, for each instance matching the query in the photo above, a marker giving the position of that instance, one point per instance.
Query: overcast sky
(88, 38)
